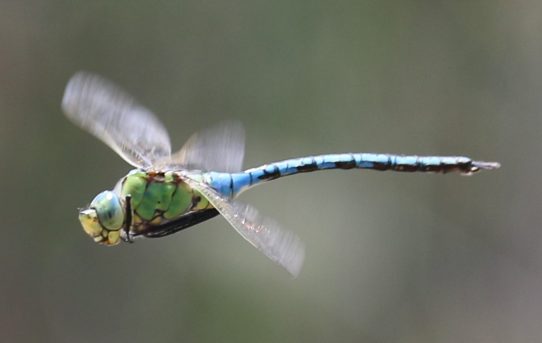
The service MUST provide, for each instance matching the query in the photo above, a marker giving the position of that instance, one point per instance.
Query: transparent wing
(218, 148)
(101, 108)
(282, 247)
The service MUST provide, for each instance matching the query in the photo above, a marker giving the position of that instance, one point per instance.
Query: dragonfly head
(104, 218)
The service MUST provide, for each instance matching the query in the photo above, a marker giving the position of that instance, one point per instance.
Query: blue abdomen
(232, 184)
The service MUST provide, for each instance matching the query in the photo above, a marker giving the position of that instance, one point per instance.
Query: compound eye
(109, 209)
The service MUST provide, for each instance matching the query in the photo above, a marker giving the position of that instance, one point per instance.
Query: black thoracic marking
(270, 175)
(185, 221)
(307, 167)
(128, 219)
(195, 200)
(346, 164)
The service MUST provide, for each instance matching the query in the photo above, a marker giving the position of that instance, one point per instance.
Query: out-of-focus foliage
(390, 257)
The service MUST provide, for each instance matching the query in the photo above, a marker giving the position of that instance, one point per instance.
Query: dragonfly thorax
(104, 218)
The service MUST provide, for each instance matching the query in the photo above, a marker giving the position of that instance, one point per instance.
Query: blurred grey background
(390, 257)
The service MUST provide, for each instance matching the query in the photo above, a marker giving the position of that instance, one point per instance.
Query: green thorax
(159, 197)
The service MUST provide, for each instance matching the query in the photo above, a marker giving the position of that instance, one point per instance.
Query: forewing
(218, 148)
(282, 247)
(109, 113)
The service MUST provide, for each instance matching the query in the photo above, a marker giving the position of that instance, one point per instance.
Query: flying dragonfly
(168, 192)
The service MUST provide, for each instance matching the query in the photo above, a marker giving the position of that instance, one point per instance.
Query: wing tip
(295, 263)
(73, 91)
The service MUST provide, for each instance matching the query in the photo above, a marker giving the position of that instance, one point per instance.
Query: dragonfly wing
(109, 113)
(282, 247)
(218, 148)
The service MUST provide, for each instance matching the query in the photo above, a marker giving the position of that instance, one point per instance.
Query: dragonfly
(171, 191)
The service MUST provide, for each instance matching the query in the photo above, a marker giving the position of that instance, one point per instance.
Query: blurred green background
(390, 257)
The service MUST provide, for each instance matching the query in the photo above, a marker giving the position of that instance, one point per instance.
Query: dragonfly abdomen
(232, 184)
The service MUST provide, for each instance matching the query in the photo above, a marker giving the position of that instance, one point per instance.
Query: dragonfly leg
(128, 219)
